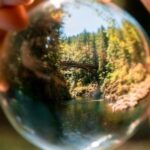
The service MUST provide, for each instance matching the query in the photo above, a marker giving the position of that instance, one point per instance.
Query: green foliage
(103, 57)
(82, 63)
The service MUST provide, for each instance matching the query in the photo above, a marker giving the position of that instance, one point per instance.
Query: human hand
(13, 16)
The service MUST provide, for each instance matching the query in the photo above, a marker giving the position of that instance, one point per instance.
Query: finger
(105, 1)
(13, 18)
(14, 2)
(34, 3)
(146, 4)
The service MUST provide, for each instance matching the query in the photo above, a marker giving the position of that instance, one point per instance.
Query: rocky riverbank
(131, 99)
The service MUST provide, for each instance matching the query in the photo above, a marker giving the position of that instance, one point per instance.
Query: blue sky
(81, 18)
(91, 17)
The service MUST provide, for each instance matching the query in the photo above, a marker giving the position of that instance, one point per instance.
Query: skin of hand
(146, 3)
(13, 16)
(105, 1)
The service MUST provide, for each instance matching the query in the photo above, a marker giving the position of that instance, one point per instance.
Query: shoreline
(130, 100)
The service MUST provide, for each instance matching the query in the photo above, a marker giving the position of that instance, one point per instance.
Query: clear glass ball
(77, 77)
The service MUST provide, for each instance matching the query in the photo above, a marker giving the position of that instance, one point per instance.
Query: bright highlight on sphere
(77, 77)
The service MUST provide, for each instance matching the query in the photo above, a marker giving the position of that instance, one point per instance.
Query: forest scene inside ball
(81, 52)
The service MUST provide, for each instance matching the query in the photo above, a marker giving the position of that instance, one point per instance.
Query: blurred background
(11, 140)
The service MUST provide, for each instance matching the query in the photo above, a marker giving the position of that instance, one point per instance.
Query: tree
(134, 42)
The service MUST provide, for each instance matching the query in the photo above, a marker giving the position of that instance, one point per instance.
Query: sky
(80, 19)
(90, 17)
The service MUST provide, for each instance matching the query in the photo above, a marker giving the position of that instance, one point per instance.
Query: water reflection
(75, 125)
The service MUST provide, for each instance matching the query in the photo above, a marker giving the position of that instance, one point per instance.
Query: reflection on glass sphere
(76, 78)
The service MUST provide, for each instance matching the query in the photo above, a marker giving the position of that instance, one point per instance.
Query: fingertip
(21, 16)
(13, 18)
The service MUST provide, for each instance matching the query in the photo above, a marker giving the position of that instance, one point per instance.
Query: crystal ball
(77, 78)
